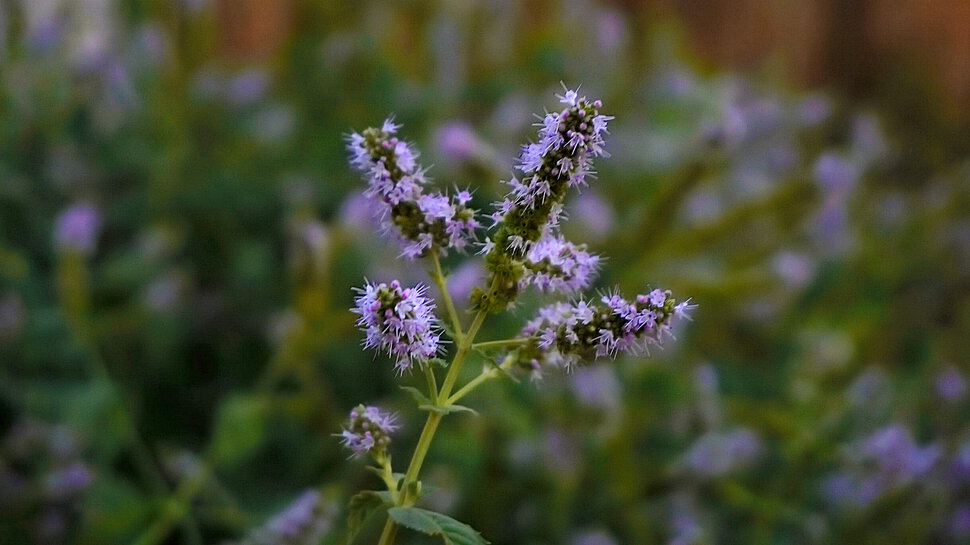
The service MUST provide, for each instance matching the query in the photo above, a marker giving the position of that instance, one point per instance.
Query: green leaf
(240, 428)
(436, 524)
(448, 409)
(361, 507)
(417, 395)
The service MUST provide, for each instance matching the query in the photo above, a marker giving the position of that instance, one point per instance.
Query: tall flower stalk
(525, 248)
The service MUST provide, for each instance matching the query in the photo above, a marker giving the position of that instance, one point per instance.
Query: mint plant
(523, 248)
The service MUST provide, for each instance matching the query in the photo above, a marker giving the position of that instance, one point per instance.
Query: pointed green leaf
(448, 409)
(417, 395)
(361, 507)
(436, 524)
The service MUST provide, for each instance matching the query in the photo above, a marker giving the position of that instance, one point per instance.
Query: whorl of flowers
(561, 158)
(424, 222)
(369, 430)
(399, 321)
(565, 334)
(553, 264)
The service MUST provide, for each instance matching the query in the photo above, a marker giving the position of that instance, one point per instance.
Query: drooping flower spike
(424, 222)
(566, 334)
(399, 321)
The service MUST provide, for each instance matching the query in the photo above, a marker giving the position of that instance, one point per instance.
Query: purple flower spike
(399, 321)
(554, 264)
(568, 334)
(369, 430)
(423, 222)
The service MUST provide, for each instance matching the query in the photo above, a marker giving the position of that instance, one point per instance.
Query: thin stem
(389, 533)
(432, 382)
(430, 427)
(500, 343)
(439, 278)
(463, 349)
(487, 374)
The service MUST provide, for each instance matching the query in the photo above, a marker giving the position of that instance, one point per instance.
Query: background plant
(201, 318)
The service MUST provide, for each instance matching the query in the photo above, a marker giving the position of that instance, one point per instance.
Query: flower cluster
(369, 430)
(555, 264)
(566, 334)
(424, 222)
(887, 460)
(398, 320)
(561, 158)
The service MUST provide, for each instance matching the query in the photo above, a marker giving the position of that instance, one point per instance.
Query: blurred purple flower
(77, 229)
(594, 215)
(151, 45)
(593, 537)
(716, 454)
(464, 278)
(960, 522)
(247, 87)
(561, 451)
(835, 174)
(457, 141)
(951, 384)
(814, 109)
(895, 452)
(304, 522)
(870, 391)
(611, 32)
(795, 269)
(596, 386)
(65, 483)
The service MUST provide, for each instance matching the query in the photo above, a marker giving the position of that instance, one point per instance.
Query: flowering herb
(525, 249)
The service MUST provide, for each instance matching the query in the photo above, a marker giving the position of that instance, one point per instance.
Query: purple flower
(247, 87)
(567, 334)
(553, 264)
(835, 174)
(423, 222)
(304, 522)
(951, 384)
(559, 159)
(594, 214)
(718, 453)
(960, 522)
(457, 141)
(895, 453)
(67, 482)
(399, 321)
(77, 229)
(369, 430)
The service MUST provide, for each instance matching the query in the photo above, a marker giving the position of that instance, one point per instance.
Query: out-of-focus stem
(487, 374)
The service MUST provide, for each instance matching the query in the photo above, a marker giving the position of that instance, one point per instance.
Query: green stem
(500, 344)
(487, 374)
(432, 382)
(439, 279)
(430, 427)
(389, 533)
(463, 348)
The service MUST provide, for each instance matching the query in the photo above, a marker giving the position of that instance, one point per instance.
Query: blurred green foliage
(199, 357)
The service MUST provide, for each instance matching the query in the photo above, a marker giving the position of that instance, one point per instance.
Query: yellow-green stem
(430, 427)
(439, 278)
(475, 382)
